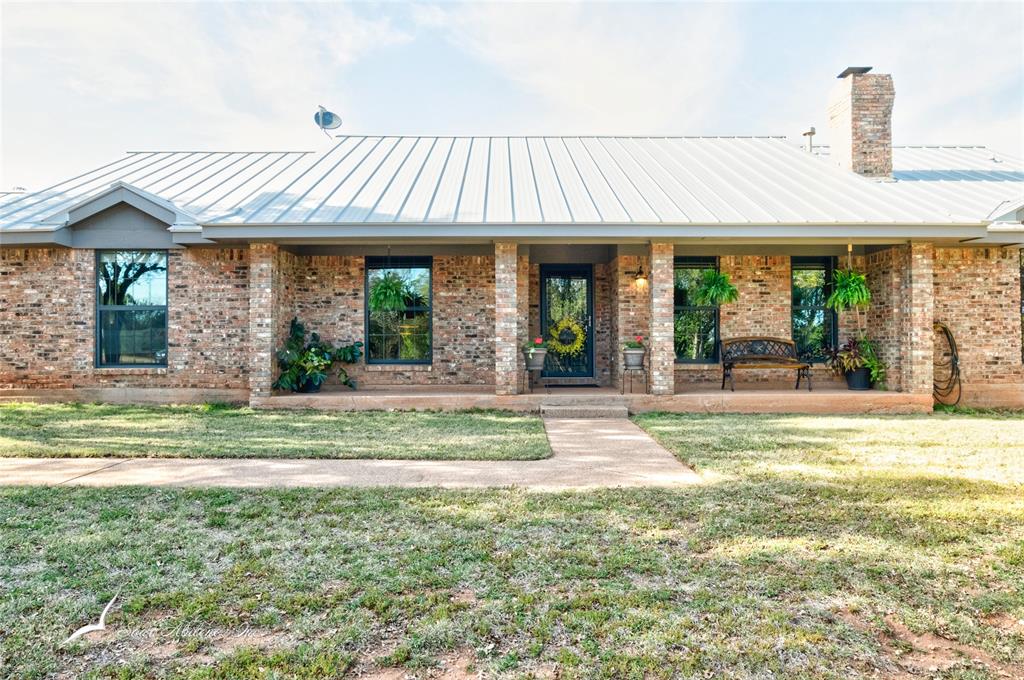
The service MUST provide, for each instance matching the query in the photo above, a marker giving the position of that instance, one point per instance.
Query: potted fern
(857, 360)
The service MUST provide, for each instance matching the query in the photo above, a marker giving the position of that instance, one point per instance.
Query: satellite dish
(326, 120)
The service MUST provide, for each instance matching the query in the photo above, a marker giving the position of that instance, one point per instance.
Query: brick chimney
(860, 119)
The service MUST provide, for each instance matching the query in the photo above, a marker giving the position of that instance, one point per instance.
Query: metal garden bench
(761, 352)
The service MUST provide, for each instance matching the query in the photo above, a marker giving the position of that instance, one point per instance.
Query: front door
(567, 319)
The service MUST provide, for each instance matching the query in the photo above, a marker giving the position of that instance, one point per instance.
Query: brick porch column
(506, 318)
(917, 364)
(263, 288)
(660, 343)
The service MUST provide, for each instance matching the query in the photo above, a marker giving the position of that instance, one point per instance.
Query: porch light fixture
(639, 276)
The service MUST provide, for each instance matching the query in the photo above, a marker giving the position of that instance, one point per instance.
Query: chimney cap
(854, 70)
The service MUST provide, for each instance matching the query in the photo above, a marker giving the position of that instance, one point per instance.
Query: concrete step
(583, 411)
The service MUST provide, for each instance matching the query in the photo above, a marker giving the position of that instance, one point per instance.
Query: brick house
(501, 238)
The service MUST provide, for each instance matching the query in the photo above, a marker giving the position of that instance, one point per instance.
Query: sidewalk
(588, 454)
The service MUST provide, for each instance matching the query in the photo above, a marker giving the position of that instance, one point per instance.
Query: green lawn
(816, 548)
(95, 430)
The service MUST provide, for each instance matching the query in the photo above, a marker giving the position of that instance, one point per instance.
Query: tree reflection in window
(131, 308)
(398, 310)
(814, 325)
(696, 326)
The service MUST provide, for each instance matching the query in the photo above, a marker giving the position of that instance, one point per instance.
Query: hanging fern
(849, 291)
(714, 288)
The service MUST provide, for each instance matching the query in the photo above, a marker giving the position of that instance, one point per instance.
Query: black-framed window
(814, 325)
(399, 321)
(695, 326)
(131, 308)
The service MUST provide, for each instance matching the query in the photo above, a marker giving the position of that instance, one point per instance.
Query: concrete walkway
(588, 454)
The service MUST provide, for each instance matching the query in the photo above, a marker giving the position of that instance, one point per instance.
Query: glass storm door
(567, 320)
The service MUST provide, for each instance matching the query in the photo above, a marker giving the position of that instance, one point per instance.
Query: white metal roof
(369, 180)
(972, 180)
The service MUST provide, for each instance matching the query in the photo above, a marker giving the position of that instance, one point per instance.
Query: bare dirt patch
(925, 653)
(155, 644)
(464, 597)
(1005, 622)
(458, 666)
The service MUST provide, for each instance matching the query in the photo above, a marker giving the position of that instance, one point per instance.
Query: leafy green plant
(857, 353)
(871, 361)
(849, 291)
(305, 365)
(846, 359)
(714, 288)
(535, 344)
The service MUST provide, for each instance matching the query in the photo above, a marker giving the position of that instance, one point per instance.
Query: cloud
(957, 67)
(83, 82)
(231, 75)
(608, 68)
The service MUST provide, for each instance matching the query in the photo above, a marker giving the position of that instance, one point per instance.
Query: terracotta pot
(633, 358)
(535, 361)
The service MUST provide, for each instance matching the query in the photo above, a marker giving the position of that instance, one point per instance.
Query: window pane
(686, 281)
(399, 314)
(695, 334)
(131, 277)
(811, 332)
(132, 337)
(414, 337)
(809, 287)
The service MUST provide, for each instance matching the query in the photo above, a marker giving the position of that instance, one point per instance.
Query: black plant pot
(859, 379)
(309, 388)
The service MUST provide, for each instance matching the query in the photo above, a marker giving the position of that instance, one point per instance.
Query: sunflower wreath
(572, 347)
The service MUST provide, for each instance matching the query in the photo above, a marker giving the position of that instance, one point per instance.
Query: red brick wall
(884, 322)
(764, 307)
(327, 295)
(47, 319)
(46, 325)
(47, 316)
(631, 309)
(977, 294)
(764, 304)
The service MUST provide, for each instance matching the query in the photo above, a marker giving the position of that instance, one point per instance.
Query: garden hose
(948, 385)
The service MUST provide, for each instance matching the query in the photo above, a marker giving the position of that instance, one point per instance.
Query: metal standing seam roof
(532, 180)
(968, 179)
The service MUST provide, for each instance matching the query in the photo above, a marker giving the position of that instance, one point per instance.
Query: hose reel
(947, 387)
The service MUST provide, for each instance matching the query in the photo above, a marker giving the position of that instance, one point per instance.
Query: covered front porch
(458, 341)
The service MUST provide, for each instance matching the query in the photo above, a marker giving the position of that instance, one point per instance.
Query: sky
(82, 83)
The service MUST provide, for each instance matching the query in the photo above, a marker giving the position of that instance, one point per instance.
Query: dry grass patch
(739, 578)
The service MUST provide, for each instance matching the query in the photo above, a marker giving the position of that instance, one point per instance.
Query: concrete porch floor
(706, 398)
